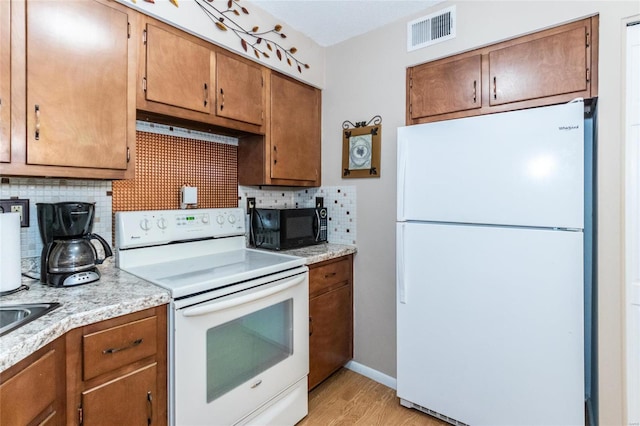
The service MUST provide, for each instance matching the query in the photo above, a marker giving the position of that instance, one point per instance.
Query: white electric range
(238, 320)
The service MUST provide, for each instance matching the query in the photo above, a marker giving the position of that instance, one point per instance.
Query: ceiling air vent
(431, 29)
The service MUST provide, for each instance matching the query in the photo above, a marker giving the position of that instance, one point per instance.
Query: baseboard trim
(372, 374)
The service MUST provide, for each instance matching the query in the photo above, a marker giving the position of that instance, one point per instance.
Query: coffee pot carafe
(69, 256)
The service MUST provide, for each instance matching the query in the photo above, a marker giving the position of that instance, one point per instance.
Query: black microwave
(282, 229)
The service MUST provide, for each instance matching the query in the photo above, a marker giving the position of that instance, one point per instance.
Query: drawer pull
(150, 412)
(329, 275)
(114, 350)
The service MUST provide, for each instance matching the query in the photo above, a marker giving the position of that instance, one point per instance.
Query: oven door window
(245, 347)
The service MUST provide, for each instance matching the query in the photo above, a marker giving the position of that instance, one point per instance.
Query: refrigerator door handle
(402, 290)
(402, 171)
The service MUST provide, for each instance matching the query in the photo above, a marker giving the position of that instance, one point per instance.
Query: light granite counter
(116, 293)
(321, 252)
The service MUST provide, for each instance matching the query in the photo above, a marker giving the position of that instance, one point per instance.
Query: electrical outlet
(17, 209)
(18, 206)
(251, 204)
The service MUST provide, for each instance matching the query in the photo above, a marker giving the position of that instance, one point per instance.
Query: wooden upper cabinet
(295, 131)
(78, 109)
(552, 65)
(289, 153)
(169, 80)
(5, 82)
(184, 77)
(443, 87)
(240, 89)
(544, 68)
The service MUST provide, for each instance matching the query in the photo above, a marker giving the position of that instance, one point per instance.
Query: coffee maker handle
(105, 245)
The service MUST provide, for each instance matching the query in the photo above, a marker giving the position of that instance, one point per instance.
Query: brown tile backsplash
(165, 162)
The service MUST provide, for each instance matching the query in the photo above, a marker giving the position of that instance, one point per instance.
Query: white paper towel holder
(10, 271)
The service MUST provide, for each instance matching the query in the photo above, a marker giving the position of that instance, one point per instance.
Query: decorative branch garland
(258, 41)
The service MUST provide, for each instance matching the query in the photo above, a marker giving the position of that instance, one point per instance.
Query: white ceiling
(328, 22)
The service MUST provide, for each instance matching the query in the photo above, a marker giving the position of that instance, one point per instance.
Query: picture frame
(361, 151)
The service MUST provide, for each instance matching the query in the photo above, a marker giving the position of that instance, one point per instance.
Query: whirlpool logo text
(569, 127)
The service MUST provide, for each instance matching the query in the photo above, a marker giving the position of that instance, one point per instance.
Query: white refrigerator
(490, 268)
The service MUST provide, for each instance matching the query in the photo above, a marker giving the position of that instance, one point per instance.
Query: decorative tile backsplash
(53, 191)
(167, 157)
(340, 202)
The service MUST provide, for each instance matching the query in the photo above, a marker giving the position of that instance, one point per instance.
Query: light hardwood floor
(348, 398)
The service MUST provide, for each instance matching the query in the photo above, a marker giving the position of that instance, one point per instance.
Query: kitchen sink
(15, 316)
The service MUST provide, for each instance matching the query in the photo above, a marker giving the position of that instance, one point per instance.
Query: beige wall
(365, 76)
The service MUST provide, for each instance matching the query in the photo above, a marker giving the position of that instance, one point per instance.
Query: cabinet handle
(37, 122)
(475, 91)
(310, 326)
(495, 92)
(206, 94)
(275, 157)
(150, 405)
(221, 99)
(114, 350)
(329, 275)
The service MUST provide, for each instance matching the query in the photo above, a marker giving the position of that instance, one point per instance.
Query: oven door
(234, 354)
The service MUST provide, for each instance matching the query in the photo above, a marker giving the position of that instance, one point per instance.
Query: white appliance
(490, 268)
(238, 322)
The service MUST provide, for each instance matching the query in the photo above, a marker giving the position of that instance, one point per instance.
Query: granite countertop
(116, 293)
(321, 252)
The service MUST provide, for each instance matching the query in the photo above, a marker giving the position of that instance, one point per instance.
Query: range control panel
(153, 227)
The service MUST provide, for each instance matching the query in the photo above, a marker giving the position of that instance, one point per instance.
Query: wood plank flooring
(348, 398)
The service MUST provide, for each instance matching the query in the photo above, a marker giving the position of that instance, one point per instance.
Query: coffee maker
(68, 256)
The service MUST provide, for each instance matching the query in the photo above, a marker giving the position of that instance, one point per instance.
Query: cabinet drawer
(322, 278)
(115, 347)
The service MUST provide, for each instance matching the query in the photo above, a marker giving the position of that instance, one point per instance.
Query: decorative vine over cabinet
(289, 153)
(330, 317)
(544, 68)
(185, 77)
(73, 84)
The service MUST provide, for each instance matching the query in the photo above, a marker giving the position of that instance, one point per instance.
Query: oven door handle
(235, 301)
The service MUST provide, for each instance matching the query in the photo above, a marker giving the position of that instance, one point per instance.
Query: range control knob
(232, 219)
(145, 224)
(162, 223)
(220, 219)
(205, 218)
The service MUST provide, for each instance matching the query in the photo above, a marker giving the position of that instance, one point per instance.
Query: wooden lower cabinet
(125, 400)
(117, 371)
(112, 372)
(330, 317)
(32, 391)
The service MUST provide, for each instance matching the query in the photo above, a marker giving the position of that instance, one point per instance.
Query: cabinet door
(441, 88)
(295, 131)
(77, 84)
(548, 66)
(330, 333)
(126, 400)
(178, 70)
(31, 395)
(5, 82)
(240, 90)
